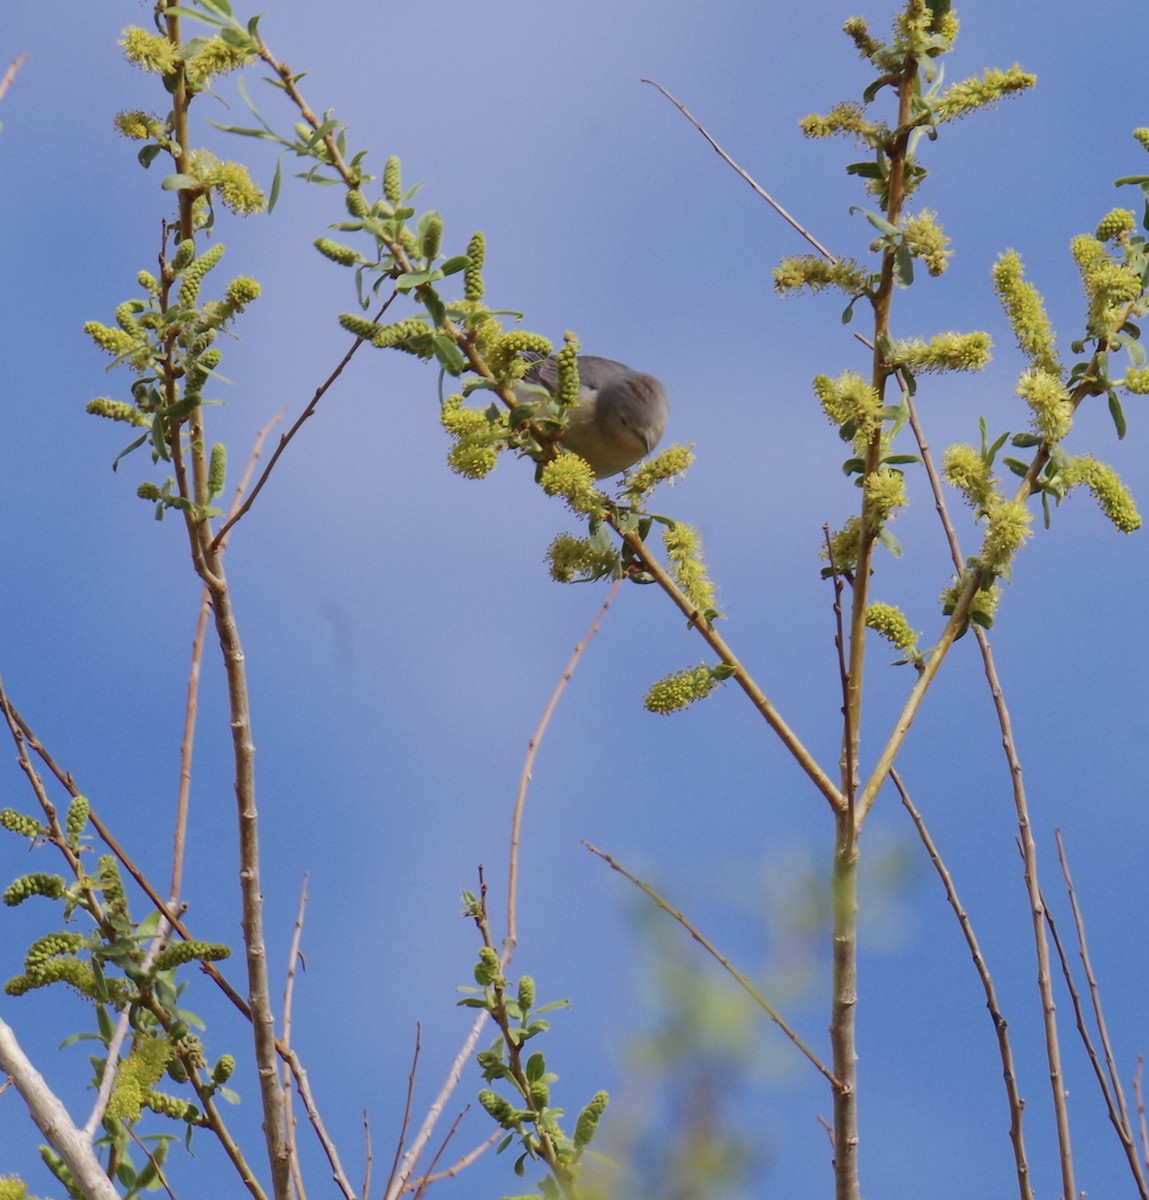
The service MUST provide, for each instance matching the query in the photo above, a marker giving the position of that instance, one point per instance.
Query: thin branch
(368, 1157)
(285, 439)
(528, 768)
(397, 1184)
(1114, 1094)
(191, 707)
(187, 744)
(151, 1159)
(741, 676)
(10, 74)
(1005, 1051)
(765, 195)
(849, 765)
(1139, 1096)
(116, 1042)
(294, 957)
(421, 1187)
(459, 1165)
(408, 1103)
(1021, 809)
(721, 959)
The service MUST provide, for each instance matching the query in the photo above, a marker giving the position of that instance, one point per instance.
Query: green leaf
(128, 449)
(865, 170)
(1025, 441)
(177, 183)
(891, 543)
(877, 220)
(997, 446)
(454, 265)
(449, 355)
(903, 265)
(436, 309)
(148, 154)
(898, 460)
(276, 181)
(1016, 466)
(1117, 413)
(536, 1067)
(196, 15)
(549, 1008)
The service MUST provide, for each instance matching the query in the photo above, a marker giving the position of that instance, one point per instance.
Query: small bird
(619, 417)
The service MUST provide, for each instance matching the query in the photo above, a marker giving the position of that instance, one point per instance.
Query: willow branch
(759, 190)
(528, 768)
(1114, 1093)
(720, 958)
(741, 676)
(1005, 1051)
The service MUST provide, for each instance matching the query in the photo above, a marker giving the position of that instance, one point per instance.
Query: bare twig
(1139, 1096)
(294, 957)
(765, 195)
(1016, 1103)
(285, 439)
(420, 1188)
(710, 635)
(368, 1156)
(191, 707)
(460, 1164)
(408, 1103)
(528, 767)
(1021, 808)
(1114, 1094)
(152, 1159)
(10, 74)
(849, 740)
(721, 959)
(187, 744)
(397, 1184)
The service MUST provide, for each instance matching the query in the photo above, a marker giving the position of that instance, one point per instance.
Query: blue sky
(401, 632)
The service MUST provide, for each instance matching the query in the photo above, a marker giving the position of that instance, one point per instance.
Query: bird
(620, 415)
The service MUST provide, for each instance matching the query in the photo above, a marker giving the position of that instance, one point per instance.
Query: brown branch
(849, 767)
(191, 707)
(722, 961)
(1005, 1051)
(459, 1165)
(1139, 1097)
(10, 74)
(368, 1157)
(285, 440)
(528, 767)
(397, 1184)
(765, 195)
(294, 957)
(1021, 805)
(1114, 1094)
(408, 1104)
(741, 676)
(426, 1181)
(152, 1159)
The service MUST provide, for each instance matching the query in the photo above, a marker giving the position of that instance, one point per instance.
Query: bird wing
(593, 372)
